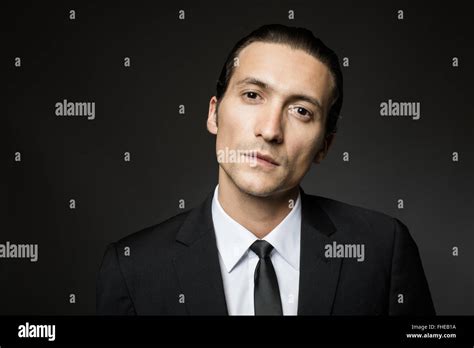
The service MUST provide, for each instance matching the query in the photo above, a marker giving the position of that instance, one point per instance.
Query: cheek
(301, 154)
(234, 120)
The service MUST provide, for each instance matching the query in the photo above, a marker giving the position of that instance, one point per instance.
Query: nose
(270, 124)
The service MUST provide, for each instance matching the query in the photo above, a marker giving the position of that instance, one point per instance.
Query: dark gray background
(177, 62)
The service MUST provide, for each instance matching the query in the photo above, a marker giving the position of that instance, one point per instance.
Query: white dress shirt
(238, 262)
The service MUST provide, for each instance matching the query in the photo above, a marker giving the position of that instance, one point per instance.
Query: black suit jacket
(172, 268)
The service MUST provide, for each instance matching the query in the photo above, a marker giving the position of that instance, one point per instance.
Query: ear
(324, 150)
(212, 116)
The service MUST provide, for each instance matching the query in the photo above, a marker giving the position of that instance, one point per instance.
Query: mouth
(264, 158)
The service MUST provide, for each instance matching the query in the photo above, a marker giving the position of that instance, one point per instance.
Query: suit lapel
(318, 275)
(198, 266)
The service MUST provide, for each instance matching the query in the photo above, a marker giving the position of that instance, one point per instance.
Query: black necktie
(266, 293)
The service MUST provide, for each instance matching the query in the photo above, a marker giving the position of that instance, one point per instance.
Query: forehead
(289, 70)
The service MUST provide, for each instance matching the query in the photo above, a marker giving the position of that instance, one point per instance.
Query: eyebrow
(265, 85)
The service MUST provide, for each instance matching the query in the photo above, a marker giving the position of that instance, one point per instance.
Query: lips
(267, 158)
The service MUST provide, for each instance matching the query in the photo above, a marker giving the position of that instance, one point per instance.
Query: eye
(251, 95)
(300, 111)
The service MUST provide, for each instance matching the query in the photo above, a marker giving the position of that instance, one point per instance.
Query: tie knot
(262, 248)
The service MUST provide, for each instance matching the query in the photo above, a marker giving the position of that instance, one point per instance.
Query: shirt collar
(233, 240)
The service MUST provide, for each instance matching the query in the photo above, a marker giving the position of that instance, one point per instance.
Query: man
(259, 245)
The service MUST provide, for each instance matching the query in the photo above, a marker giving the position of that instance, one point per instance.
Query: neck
(260, 215)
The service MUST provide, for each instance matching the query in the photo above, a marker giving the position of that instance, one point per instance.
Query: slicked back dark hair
(296, 38)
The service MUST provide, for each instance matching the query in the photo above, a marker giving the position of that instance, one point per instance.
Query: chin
(256, 185)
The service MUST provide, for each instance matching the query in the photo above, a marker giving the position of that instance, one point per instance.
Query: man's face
(276, 103)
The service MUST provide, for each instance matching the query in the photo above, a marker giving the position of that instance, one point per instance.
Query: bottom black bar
(234, 329)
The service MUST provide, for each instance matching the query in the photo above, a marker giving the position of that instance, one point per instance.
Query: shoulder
(153, 241)
(356, 222)
(385, 238)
